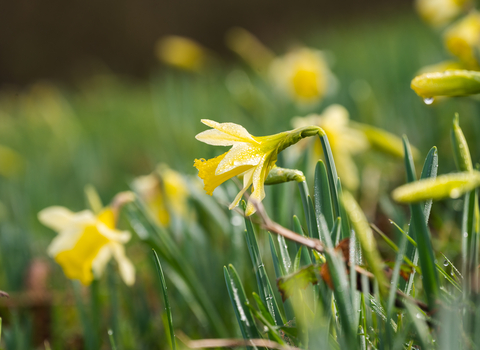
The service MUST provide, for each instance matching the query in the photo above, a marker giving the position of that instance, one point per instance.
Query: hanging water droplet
(110, 332)
(465, 234)
(445, 263)
(428, 100)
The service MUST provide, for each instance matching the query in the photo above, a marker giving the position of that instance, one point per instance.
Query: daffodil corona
(86, 242)
(251, 156)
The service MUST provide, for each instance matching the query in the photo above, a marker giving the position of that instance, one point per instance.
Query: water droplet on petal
(428, 100)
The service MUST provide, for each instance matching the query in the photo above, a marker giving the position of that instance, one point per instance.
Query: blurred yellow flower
(181, 53)
(163, 191)
(344, 141)
(86, 242)
(303, 75)
(251, 156)
(463, 40)
(440, 12)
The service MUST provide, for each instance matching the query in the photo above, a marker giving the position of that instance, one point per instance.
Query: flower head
(251, 156)
(303, 75)
(440, 12)
(463, 40)
(86, 242)
(164, 192)
(344, 140)
(181, 53)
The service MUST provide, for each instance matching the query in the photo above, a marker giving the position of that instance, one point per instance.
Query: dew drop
(428, 100)
(110, 332)
(445, 263)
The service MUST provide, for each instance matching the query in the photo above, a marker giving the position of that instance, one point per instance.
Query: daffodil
(303, 75)
(86, 242)
(251, 156)
(182, 53)
(440, 12)
(163, 191)
(344, 140)
(463, 40)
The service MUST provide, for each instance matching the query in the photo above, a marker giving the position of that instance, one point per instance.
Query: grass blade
(168, 309)
(240, 304)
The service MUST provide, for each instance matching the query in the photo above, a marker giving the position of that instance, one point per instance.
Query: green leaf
(168, 309)
(425, 249)
(263, 282)
(240, 304)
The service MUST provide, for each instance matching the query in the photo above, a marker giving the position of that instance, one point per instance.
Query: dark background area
(62, 40)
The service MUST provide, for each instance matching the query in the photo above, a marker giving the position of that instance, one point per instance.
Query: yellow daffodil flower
(181, 53)
(344, 141)
(251, 156)
(86, 242)
(163, 191)
(303, 75)
(440, 12)
(463, 40)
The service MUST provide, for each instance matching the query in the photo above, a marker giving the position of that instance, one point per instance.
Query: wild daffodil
(440, 12)
(462, 39)
(164, 192)
(302, 75)
(344, 140)
(86, 242)
(251, 156)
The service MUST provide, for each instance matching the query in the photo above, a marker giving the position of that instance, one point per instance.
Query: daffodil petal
(113, 234)
(259, 177)
(59, 218)
(127, 270)
(206, 171)
(218, 138)
(232, 130)
(247, 181)
(65, 240)
(241, 154)
(101, 260)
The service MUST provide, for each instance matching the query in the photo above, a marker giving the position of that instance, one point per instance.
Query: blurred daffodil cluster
(86, 241)
(302, 75)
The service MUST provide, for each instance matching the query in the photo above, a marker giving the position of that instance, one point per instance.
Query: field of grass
(106, 130)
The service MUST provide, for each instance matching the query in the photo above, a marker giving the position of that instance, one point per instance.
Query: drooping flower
(86, 242)
(440, 12)
(302, 75)
(164, 192)
(344, 140)
(462, 39)
(251, 156)
(183, 53)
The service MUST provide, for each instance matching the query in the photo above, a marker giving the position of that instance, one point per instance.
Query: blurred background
(85, 100)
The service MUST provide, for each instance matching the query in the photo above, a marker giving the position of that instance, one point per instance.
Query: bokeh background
(85, 101)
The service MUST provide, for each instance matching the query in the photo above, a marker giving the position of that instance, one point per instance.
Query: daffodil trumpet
(251, 156)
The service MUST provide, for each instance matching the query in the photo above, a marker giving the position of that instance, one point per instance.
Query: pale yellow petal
(231, 129)
(101, 260)
(218, 138)
(247, 181)
(60, 218)
(65, 240)
(241, 154)
(127, 270)
(259, 177)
